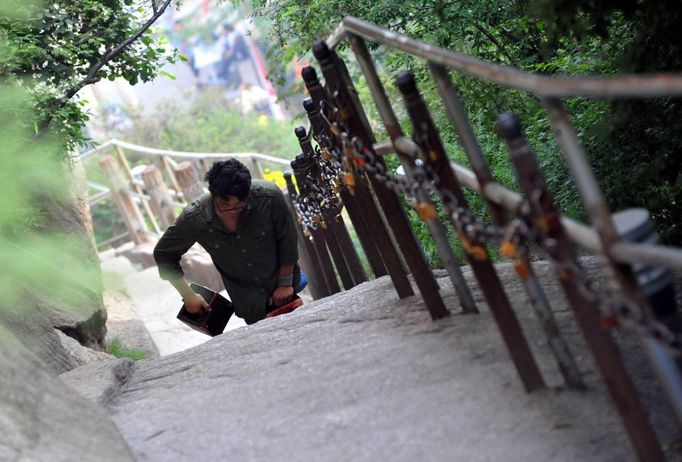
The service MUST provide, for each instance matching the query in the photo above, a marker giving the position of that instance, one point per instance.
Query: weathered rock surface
(44, 420)
(101, 381)
(85, 317)
(29, 324)
(365, 376)
(80, 354)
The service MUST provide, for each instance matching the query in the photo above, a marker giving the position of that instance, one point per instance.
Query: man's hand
(281, 296)
(195, 303)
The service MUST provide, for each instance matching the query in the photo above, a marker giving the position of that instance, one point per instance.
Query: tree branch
(112, 53)
(497, 43)
(89, 37)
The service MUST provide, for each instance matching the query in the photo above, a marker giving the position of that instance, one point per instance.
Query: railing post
(584, 303)
(189, 181)
(203, 166)
(349, 201)
(301, 166)
(517, 252)
(130, 212)
(136, 187)
(160, 199)
(319, 243)
(171, 174)
(425, 208)
(361, 196)
(256, 169)
(341, 86)
(432, 153)
(331, 213)
(309, 260)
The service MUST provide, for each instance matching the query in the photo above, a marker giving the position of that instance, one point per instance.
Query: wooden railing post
(160, 199)
(517, 253)
(356, 210)
(433, 154)
(189, 181)
(171, 174)
(130, 212)
(256, 169)
(585, 305)
(136, 187)
(320, 245)
(332, 214)
(341, 87)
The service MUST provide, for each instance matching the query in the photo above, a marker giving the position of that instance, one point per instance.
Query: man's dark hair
(229, 178)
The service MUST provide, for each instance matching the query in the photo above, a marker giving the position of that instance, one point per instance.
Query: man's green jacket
(249, 258)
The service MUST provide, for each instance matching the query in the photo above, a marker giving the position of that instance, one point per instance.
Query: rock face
(80, 354)
(44, 420)
(85, 318)
(365, 376)
(30, 325)
(100, 381)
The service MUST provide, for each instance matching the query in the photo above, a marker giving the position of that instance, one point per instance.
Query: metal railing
(342, 167)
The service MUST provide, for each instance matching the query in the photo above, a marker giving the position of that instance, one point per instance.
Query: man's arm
(285, 288)
(193, 301)
(174, 243)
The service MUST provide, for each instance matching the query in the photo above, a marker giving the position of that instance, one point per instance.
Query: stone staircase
(145, 319)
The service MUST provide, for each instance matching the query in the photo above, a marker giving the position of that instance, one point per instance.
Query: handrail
(618, 86)
(145, 150)
(580, 233)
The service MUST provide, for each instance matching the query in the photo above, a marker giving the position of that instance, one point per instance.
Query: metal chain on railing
(341, 166)
(616, 309)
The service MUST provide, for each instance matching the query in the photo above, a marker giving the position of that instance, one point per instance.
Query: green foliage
(56, 48)
(47, 53)
(632, 145)
(210, 123)
(31, 173)
(118, 349)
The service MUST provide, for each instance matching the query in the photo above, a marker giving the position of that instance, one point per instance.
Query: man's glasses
(222, 206)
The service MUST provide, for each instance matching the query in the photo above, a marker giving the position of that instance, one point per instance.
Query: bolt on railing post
(130, 212)
(585, 305)
(160, 199)
(435, 226)
(522, 265)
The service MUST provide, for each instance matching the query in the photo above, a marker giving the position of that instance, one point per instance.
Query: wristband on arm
(286, 281)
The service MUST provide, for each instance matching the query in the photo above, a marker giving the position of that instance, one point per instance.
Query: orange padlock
(349, 179)
(426, 211)
(508, 249)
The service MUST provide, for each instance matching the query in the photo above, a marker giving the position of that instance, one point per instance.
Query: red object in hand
(288, 308)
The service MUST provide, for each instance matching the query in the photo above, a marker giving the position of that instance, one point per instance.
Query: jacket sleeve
(174, 243)
(285, 231)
